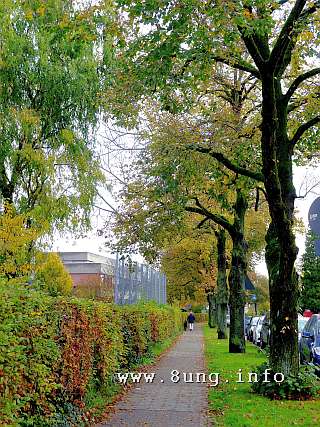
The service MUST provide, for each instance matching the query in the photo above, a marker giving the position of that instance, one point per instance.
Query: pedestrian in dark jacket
(191, 319)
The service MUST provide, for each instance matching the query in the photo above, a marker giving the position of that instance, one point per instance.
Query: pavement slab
(165, 403)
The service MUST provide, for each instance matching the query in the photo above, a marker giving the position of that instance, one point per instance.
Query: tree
(184, 41)
(310, 293)
(53, 54)
(15, 240)
(261, 292)
(222, 288)
(188, 265)
(51, 275)
(169, 181)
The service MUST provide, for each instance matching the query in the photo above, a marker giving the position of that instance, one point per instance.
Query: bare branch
(103, 209)
(114, 175)
(107, 203)
(262, 191)
(309, 186)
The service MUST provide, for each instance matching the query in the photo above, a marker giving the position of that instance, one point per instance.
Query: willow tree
(52, 57)
(173, 46)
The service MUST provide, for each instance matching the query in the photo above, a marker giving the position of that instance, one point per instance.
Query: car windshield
(301, 323)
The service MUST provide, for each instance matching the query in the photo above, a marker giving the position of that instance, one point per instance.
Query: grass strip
(233, 404)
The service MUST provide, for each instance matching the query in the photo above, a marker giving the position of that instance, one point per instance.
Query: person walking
(191, 319)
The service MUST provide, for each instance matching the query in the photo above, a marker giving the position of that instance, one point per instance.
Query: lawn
(233, 404)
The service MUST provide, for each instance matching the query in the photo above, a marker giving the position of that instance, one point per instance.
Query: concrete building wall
(92, 275)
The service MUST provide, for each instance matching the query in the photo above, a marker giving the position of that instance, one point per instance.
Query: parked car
(265, 331)
(310, 341)
(257, 330)
(253, 324)
(302, 321)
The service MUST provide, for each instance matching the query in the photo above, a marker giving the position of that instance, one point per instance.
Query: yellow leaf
(29, 15)
(41, 10)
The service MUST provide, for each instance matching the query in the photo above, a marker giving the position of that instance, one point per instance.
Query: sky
(304, 179)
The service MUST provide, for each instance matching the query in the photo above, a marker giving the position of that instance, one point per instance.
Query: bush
(201, 317)
(51, 275)
(55, 350)
(145, 324)
(303, 386)
(15, 243)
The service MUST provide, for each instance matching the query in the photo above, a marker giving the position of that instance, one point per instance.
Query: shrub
(28, 353)
(55, 350)
(136, 330)
(52, 276)
(201, 317)
(16, 239)
(303, 386)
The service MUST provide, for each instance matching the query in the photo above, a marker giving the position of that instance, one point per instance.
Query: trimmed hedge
(54, 350)
(201, 317)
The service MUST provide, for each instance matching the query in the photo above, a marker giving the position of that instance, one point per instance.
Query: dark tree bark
(281, 250)
(222, 287)
(237, 277)
(212, 317)
(272, 59)
(238, 270)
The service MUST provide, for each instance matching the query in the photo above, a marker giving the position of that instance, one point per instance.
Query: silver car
(252, 325)
(257, 331)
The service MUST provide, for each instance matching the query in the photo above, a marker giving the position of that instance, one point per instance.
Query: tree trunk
(222, 288)
(281, 251)
(222, 309)
(212, 319)
(283, 285)
(237, 278)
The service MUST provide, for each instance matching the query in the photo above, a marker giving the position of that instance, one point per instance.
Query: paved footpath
(164, 403)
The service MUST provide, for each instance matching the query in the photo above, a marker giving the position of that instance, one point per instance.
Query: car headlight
(316, 350)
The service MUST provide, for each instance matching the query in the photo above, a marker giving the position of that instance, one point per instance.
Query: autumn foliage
(52, 275)
(16, 238)
(55, 350)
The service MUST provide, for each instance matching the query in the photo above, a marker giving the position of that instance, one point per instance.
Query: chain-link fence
(135, 282)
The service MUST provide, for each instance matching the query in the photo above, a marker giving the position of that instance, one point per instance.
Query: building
(92, 275)
(120, 280)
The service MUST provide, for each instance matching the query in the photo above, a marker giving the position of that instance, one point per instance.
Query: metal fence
(135, 282)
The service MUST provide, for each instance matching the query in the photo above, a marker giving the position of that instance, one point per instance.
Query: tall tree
(188, 263)
(222, 288)
(310, 293)
(183, 42)
(168, 182)
(52, 57)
